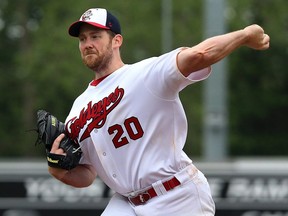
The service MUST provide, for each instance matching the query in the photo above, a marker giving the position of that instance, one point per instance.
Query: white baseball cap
(98, 17)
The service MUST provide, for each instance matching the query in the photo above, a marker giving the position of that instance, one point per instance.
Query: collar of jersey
(97, 81)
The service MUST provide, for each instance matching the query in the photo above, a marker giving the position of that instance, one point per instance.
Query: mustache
(88, 52)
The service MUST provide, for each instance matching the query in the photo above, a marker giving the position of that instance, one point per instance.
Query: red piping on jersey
(97, 81)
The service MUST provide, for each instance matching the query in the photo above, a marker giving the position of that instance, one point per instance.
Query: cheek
(81, 49)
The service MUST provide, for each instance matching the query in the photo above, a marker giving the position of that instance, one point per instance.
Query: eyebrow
(90, 32)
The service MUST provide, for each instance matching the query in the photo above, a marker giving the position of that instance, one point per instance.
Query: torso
(131, 126)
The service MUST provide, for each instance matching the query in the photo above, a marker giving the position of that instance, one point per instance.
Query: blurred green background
(40, 68)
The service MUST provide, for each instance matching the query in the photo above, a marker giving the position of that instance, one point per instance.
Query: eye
(81, 39)
(96, 36)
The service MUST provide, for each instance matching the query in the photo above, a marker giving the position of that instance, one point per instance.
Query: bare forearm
(80, 176)
(216, 48)
(209, 51)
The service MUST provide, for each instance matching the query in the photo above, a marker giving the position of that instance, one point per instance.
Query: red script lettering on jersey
(98, 112)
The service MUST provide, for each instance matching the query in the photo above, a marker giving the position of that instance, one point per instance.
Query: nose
(88, 44)
(85, 44)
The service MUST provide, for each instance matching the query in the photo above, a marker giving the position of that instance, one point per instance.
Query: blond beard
(98, 62)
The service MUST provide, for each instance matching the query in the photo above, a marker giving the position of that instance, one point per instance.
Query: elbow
(203, 59)
(80, 176)
(194, 61)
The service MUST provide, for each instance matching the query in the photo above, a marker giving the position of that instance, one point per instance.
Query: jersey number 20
(133, 128)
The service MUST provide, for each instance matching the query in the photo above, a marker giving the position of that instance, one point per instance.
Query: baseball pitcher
(129, 127)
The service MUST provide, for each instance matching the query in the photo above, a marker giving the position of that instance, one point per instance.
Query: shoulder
(165, 58)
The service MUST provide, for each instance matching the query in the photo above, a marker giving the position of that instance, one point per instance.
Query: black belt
(143, 197)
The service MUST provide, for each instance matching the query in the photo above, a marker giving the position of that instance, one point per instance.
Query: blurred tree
(41, 68)
(18, 21)
(258, 93)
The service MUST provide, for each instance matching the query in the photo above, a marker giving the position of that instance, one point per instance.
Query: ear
(117, 41)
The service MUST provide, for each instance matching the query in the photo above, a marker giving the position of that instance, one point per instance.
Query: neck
(104, 72)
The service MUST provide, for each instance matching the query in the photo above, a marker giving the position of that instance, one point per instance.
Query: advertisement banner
(33, 192)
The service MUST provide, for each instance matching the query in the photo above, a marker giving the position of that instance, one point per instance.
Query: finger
(266, 39)
(60, 151)
(266, 42)
(56, 143)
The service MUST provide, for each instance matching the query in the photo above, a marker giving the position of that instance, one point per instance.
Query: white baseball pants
(191, 198)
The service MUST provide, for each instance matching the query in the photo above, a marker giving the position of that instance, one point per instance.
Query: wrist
(245, 35)
(58, 173)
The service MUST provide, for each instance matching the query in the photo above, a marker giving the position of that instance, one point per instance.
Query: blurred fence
(239, 188)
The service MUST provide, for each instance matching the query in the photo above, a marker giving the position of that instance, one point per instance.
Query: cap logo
(87, 15)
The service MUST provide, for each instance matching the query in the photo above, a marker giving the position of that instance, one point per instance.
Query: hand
(257, 39)
(64, 154)
(55, 147)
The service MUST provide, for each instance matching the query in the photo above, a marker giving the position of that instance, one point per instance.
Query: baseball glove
(48, 129)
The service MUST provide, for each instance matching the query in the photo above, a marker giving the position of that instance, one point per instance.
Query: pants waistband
(162, 187)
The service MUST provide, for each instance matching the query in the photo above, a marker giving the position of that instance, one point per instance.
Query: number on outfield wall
(133, 128)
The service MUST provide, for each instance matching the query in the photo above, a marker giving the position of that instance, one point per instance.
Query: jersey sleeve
(166, 81)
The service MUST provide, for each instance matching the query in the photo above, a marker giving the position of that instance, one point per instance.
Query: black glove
(49, 128)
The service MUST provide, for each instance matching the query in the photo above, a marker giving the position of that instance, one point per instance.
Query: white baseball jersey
(131, 125)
